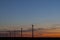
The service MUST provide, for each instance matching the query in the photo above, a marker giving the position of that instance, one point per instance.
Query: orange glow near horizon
(40, 33)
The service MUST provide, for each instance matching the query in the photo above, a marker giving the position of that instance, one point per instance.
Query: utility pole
(32, 31)
(10, 31)
(21, 32)
(14, 32)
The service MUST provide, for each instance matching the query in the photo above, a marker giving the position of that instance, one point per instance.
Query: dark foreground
(28, 38)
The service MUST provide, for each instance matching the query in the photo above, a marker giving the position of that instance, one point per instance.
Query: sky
(21, 12)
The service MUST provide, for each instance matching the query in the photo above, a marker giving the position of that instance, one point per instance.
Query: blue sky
(29, 11)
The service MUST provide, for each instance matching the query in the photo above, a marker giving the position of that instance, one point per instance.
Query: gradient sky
(29, 11)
